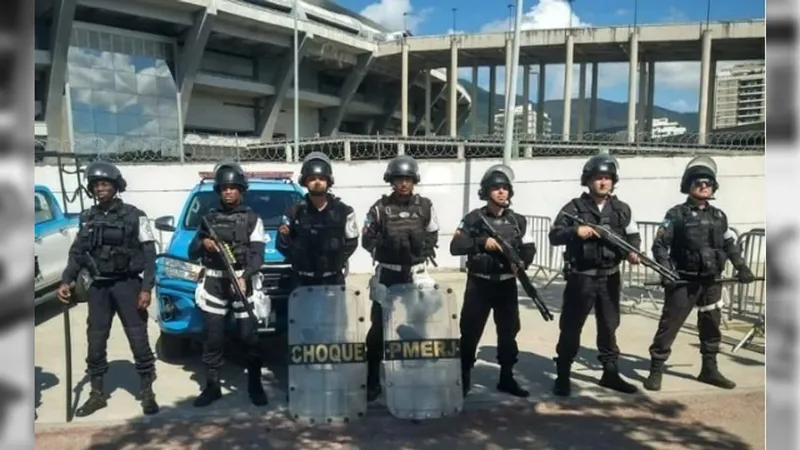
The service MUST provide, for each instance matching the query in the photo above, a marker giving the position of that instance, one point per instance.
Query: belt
(314, 275)
(597, 272)
(417, 268)
(214, 273)
(494, 277)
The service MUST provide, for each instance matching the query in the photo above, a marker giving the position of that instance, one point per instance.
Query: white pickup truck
(53, 236)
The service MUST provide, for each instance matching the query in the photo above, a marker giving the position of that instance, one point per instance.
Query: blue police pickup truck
(54, 232)
(269, 195)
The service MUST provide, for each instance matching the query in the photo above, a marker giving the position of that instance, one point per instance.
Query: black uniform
(697, 242)
(318, 243)
(593, 279)
(491, 286)
(401, 233)
(115, 243)
(243, 231)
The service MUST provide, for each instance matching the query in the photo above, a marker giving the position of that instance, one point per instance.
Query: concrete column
(61, 31)
(192, 53)
(526, 94)
(473, 117)
(705, 72)
(428, 102)
(404, 90)
(633, 61)
(712, 101)
(641, 104)
(452, 99)
(282, 80)
(581, 98)
(507, 87)
(540, 91)
(348, 90)
(568, 86)
(651, 90)
(492, 93)
(593, 101)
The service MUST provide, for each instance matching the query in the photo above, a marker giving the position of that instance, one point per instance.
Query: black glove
(744, 275)
(667, 283)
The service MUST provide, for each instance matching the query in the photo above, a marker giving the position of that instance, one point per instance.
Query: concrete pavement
(649, 416)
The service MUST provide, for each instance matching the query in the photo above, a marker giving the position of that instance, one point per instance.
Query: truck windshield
(269, 205)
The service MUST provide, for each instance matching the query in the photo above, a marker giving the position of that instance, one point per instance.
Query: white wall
(543, 186)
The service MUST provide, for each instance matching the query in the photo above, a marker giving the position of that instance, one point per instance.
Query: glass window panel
(103, 80)
(105, 42)
(168, 107)
(105, 122)
(150, 48)
(75, 56)
(126, 103)
(127, 45)
(104, 61)
(129, 125)
(83, 38)
(123, 63)
(162, 69)
(83, 121)
(81, 99)
(116, 43)
(148, 105)
(146, 84)
(166, 87)
(169, 126)
(109, 143)
(143, 63)
(94, 40)
(138, 47)
(104, 101)
(79, 77)
(149, 126)
(125, 82)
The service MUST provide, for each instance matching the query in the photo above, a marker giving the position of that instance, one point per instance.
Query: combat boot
(147, 397)
(562, 386)
(508, 384)
(653, 381)
(212, 392)
(466, 381)
(254, 387)
(373, 381)
(710, 374)
(613, 381)
(96, 401)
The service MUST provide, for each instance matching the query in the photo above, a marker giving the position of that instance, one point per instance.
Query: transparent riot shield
(422, 351)
(327, 354)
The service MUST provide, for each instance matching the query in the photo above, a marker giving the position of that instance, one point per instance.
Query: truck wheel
(170, 347)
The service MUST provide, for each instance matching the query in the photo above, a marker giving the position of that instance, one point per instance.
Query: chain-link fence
(743, 301)
(201, 148)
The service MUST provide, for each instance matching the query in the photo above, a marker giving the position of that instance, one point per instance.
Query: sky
(677, 84)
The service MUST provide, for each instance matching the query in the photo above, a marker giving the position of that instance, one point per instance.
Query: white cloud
(681, 106)
(396, 14)
(555, 14)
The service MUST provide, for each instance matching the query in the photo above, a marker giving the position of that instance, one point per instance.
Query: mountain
(610, 114)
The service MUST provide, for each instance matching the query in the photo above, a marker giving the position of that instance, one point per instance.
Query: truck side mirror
(165, 223)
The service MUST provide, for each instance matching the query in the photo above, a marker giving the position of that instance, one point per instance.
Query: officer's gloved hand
(744, 274)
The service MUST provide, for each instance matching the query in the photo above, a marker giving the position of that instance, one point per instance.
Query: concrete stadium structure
(153, 70)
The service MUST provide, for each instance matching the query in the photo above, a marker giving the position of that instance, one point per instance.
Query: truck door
(51, 241)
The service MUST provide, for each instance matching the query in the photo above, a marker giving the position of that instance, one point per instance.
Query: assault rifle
(623, 245)
(228, 260)
(717, 281)
(515, 260)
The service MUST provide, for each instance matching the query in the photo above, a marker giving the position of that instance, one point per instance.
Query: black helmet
(699, 167)
(402, 166)
(229, 173)
(600, 164)
(497, 175)
(316, 163)
(102, 170)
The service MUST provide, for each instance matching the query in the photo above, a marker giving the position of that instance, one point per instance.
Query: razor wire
(203, 148)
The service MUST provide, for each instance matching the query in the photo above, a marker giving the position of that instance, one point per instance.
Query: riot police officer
(491, 280)
(401, 231)
(319, 234)
(240, 228)
(694, 238)
(116, 245)
(592, 272)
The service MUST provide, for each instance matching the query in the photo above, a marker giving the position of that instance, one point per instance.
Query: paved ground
(686, 414)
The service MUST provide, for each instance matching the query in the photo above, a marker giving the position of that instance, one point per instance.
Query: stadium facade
(114, 76)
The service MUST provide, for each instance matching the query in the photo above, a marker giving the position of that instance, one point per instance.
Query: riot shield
(422, 351)
(327, 354)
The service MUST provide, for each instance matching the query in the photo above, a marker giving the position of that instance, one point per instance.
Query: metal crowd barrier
(743, 301)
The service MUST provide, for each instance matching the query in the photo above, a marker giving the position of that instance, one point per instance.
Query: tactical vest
(318, 245)
(403, 231)
(111, 239)
(232, 228)
(493, 263)
(596, 253)
(698, 242)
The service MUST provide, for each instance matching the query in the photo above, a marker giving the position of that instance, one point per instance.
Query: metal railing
(202, 148)
(745, 302)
